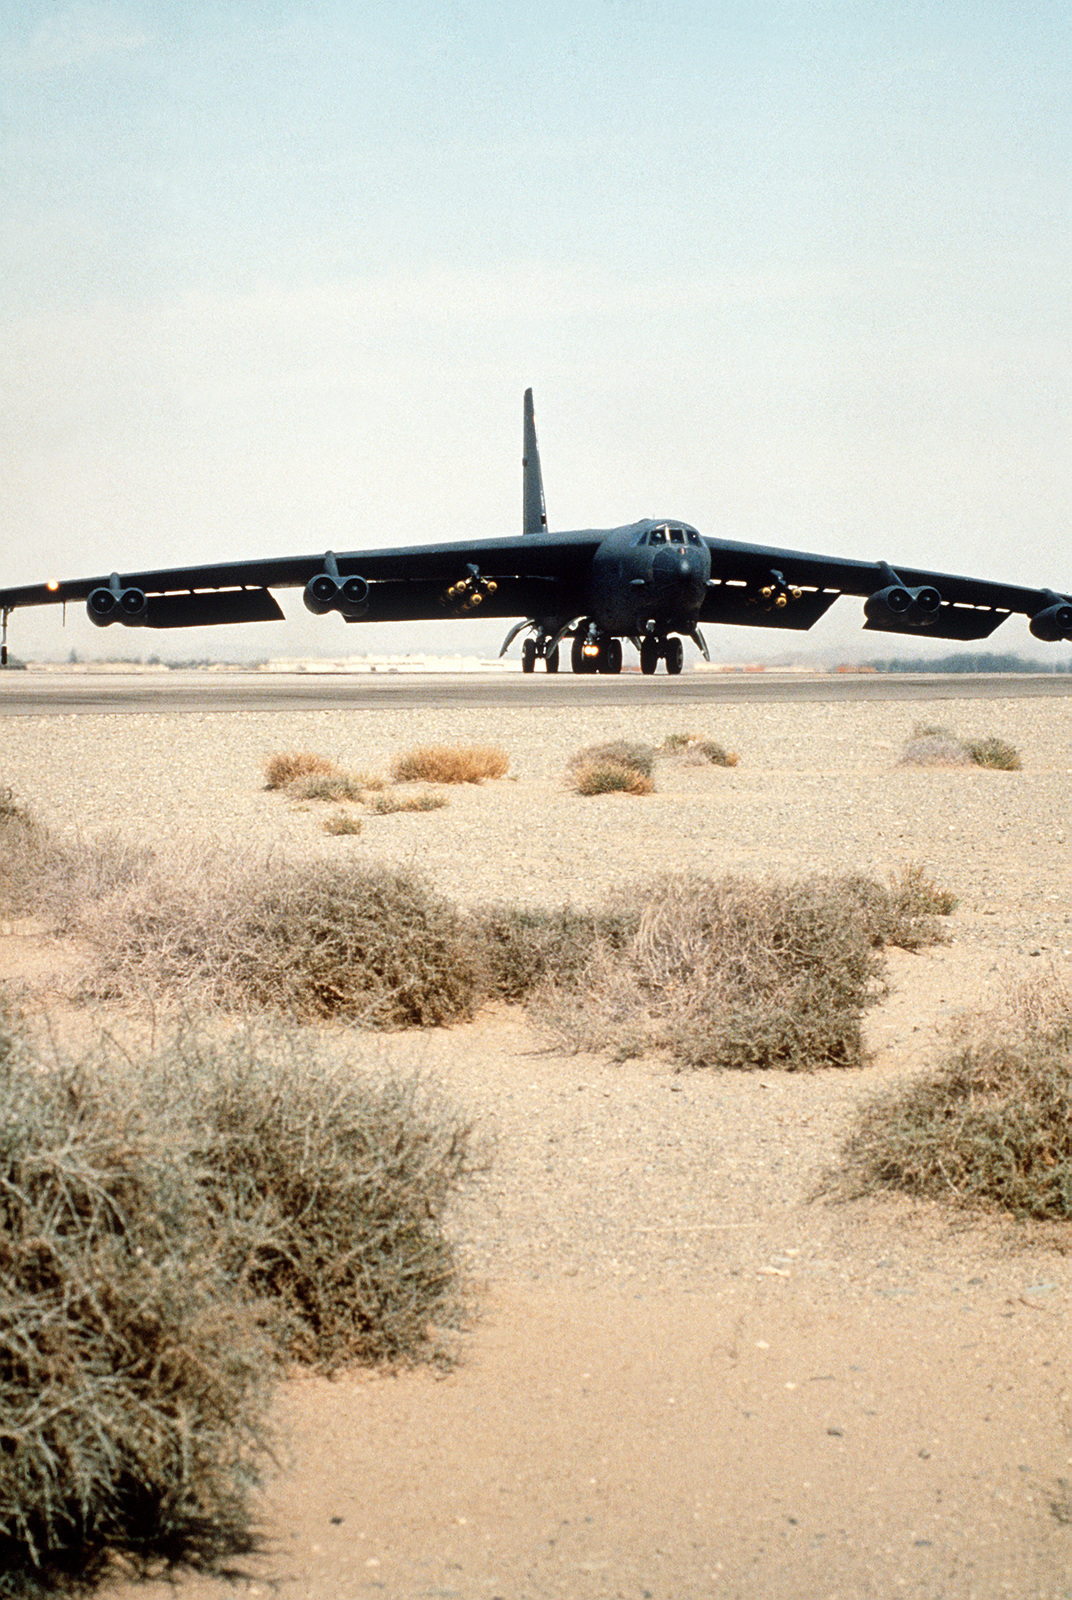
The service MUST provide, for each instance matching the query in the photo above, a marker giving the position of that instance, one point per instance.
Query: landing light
(52, 585)
(590, 650)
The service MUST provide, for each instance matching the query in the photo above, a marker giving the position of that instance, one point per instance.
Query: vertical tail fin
(535, 512)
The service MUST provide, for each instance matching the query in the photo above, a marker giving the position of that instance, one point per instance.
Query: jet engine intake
(326, 592)
(1055, 622)
(116, 604)
(904, 607)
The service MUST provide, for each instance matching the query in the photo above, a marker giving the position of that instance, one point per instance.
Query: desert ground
(686, 1373)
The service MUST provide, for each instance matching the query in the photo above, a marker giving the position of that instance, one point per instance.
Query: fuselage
(648, 576)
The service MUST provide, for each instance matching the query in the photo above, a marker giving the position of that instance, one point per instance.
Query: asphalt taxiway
(42, 694)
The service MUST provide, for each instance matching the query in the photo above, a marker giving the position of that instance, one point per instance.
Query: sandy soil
(686, 1376)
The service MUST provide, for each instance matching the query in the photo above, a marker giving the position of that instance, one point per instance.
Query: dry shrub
(995, 753)
(319, 939)
(57, 878)
(639, 758)
(338, 786)
(342, 822)
(697, 751)
(992, 1127)
(331, 1188)
(609, 777)
(938, 746)
(171, 1229)
(390, 801)
(903, 911)
(450, 764)
(733, 972)
(934, 750)
(285, 766)
(526, 947)
(132, 1383)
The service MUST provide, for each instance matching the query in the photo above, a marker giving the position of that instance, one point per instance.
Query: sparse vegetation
(992, 1127)
(527, 947)
(390, 801)
(698, 751)
(618, 766)
(993, 752)
(639, 758)
(286, 766)
(733, 972)
(132, 1381)
(609, 777)
(340, 938)
(450, 764)
(171, 1228)
(338, 786)
(932, 746)
(54, 878)
(342, 822)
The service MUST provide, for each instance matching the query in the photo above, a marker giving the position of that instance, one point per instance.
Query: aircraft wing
(758, 585)
(513, 576)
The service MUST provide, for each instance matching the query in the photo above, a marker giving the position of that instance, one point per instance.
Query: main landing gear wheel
(528, 655)
(675, 655)
(610, 656)
(649, 656)
(550, 660)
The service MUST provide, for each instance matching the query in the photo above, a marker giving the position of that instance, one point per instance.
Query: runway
(39, 694)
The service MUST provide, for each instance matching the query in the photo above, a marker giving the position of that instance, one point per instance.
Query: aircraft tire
(649, 656)
(675, 655)
(610, 656)
(550, 660)
(577, 657)
(528, 655)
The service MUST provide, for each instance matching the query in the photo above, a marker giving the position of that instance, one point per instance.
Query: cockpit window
(657, 536)
(692, 536)
(677, 536)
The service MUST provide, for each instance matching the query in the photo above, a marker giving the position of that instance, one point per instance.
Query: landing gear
(610, 655)
(653, 650)
(595, 652)
(550, 660)
(528, 655)
(578, 660)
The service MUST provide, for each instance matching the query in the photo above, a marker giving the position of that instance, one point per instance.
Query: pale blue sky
(275, 277)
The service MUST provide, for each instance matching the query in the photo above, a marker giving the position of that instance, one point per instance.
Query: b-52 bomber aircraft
(652, 582)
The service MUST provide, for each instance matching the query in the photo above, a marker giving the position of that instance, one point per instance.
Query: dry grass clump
(344, 939)
(338, 786)
(171, 1228)
(132, 1383)
(390, 801)
(994, 752)
(733, 972)
(286, 766)
(697, 751)
(617, 766)
(450, 764)
(639, 758)
(992, 1127)
(342, 822)
(932, 746)
(609, 777)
